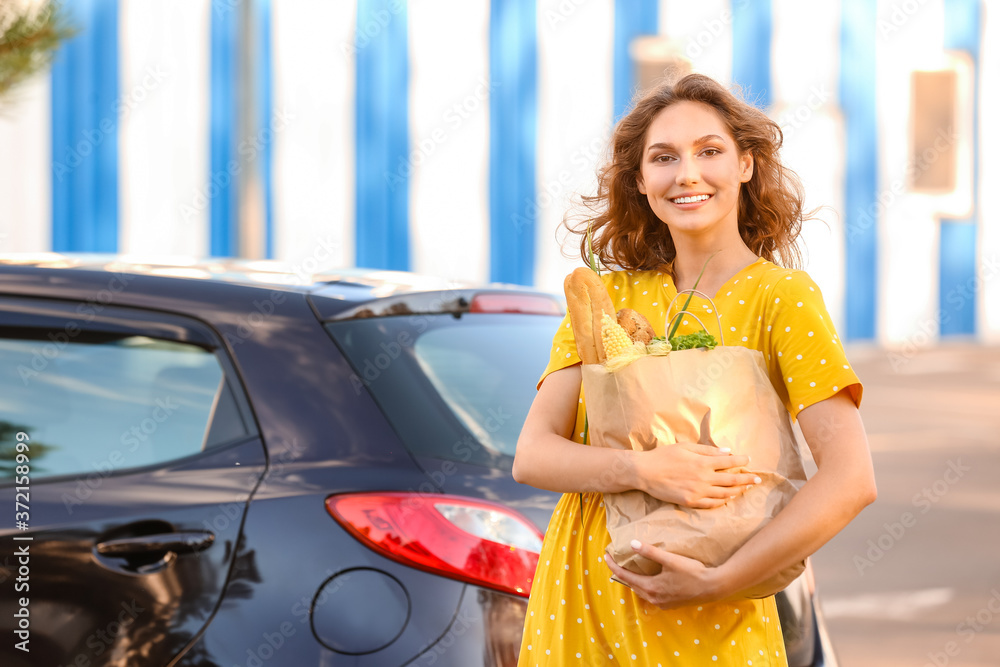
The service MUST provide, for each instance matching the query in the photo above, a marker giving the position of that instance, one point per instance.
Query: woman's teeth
(690, 200)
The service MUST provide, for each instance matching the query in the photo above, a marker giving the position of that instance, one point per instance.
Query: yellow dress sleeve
(805, 354)
(563, 352)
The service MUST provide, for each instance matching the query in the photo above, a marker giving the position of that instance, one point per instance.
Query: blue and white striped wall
(449, 137)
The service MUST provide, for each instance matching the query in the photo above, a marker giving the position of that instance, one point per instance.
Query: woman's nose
(687, 171)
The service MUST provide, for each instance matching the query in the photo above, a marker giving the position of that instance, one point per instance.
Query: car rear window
(453, 387)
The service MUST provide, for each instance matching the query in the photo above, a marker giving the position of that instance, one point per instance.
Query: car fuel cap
(360, 611)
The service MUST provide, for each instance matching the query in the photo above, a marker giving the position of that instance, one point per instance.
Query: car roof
(329, 289)
(270, 273)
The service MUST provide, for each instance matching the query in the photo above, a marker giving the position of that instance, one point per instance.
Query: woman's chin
(692, 227)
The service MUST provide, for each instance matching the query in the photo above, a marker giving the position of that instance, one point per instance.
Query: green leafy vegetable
(693, 340)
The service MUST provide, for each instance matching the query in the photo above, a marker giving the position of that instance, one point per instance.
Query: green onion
(590, 247)
(687, 303)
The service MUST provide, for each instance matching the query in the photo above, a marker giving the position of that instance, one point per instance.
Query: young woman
(694, 173)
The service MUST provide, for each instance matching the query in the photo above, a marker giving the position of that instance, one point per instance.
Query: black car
(232, 463)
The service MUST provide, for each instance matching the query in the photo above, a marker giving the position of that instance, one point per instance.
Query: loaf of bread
(587, 301)
(636, 326)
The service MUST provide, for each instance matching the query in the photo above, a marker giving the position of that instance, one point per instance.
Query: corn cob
(616, 340)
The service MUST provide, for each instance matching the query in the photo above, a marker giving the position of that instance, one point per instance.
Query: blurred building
(450, 136)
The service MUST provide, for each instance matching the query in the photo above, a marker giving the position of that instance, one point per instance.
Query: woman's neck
(719, 266)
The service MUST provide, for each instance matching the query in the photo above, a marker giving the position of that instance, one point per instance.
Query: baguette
(587, 301)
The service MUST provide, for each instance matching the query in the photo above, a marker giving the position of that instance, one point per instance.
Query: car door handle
(177, 542)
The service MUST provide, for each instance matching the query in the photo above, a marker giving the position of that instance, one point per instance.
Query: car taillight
(475, 541)
(533, 304)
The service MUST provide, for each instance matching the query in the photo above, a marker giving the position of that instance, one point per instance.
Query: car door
(128, 453)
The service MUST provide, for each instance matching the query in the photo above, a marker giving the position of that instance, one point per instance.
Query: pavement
(915, 580)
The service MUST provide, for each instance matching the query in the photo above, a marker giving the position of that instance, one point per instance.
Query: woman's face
(692, 170)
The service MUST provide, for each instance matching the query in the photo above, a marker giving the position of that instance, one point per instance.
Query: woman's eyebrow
(708, 138)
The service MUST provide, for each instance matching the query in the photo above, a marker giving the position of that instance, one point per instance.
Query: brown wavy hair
(628, 235)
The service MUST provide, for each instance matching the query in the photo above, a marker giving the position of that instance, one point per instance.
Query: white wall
(805, 105)
(25, 168)
(312, 46)
(704, 30)
(449, 138)
(909, 238)
(988, 316)
(163, 131)
(574, 124)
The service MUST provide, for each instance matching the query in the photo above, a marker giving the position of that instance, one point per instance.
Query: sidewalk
(911, 581)
(913, 401)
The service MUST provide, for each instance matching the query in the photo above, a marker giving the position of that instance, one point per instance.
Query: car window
(452, 387)
(105, 402)
(484, 379)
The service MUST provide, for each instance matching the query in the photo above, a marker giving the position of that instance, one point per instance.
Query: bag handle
(722, 337)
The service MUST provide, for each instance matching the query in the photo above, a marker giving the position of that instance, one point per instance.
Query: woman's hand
(687, 474)
(683, 581)
(692, 475)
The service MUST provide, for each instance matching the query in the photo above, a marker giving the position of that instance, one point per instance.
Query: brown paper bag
(720, 397)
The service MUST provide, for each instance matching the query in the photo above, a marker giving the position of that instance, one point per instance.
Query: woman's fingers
(627, 577)
(641, 584)
(728, 480)
(711, 503)
(724, 493)
(653, 553)
(689, 474)
(722, 489)
(708, 450)
(729, 461)
(681, 580)
(722, 458)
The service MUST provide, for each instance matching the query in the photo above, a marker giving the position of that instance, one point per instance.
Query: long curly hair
(627, 234)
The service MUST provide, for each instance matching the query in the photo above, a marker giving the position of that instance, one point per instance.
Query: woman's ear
(640, 183)
(746, 167)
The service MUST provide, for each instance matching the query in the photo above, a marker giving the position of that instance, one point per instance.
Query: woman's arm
(546, 458)
(843, 485)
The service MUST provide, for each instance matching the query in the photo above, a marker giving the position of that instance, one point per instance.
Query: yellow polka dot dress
(576, 614)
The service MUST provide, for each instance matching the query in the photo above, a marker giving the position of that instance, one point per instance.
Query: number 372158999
(22, 478)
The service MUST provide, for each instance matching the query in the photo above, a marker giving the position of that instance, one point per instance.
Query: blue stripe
(958, 278)
(959, 255)
(513, 130)
(856, 89)
(752, 50)
(633, 18)
(382, 144)
(265, 111)
(223, 126)
(962, 21)
(85, 109)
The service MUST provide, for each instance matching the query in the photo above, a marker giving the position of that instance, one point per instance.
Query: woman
(694, 174)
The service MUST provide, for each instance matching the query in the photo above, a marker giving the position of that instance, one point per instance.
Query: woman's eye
(663, 158)
(711, 151)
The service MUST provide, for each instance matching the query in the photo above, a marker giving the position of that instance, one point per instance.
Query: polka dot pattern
(576, 614)
(584, 617)
(777, 311)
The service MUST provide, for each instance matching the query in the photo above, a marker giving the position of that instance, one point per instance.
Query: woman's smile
(689, 202)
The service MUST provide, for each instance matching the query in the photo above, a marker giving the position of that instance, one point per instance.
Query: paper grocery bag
(720, 397)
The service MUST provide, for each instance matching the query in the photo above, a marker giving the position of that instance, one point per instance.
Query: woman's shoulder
(788, 282)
